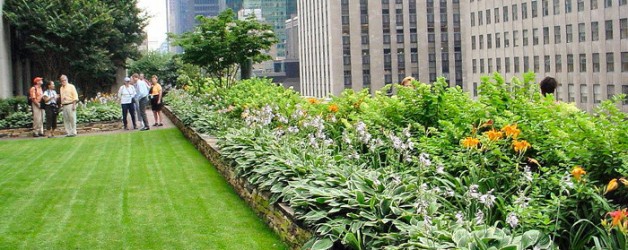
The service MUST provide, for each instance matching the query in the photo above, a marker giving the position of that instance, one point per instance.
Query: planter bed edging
(279, 216)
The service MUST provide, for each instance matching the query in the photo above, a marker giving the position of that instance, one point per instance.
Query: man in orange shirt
(35, 94)
(69, 99)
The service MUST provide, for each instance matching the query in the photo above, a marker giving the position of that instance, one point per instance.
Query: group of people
(135, 95)
(45, 101)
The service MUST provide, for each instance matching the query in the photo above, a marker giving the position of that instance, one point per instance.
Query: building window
(571, 93)
(594, 4)
(481, 41)
(581, 35)
(569, 33)
(623, 2)
(584, 92)
(386, 39)
(610, 62)
(347, 78)
(506, 41)
(498, 64)
(414, 55)
(546, 35)
(490, 65)
(567, 6)
(556, 34)
(472, 42)
(399, 37)
(474, 66)
(596, 62)
(583, 63)
(559, 92)
(488, 16)
(480, 18)
(608, 3)
(526, 63)
(515, 38)
(580, 5)
(558, 64)
(610, 91)
(545, 7)
(609, 29)
(516, 64)
(624, 90)
(482, 66)
(505, 13)
(535, 36)
(475, 89)
(534, 9)
(515, 12)
(496, 13)
(556, 7)
(597, 93)
(536, 64)
(624, 61)
(489, 41)
(525, 37)
(472, 19)
(595, 31)
(524, 10)
(497, 40)
(507, 64)
(365, 39)
(547, 62)
(569, 62)
(623, 28)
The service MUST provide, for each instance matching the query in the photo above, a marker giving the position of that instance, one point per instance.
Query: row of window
(486, 66)
(583, 35)
(584, 92)
(514, 12)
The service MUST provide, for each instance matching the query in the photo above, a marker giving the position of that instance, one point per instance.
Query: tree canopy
(221, 44)
(86, 39)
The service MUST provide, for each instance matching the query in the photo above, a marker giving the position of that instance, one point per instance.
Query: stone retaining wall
(279, 216)
(80, 129)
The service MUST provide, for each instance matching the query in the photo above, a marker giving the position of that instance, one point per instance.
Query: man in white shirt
(141, 87)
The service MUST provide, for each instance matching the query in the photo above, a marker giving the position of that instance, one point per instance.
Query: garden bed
(279, 216)
(94, 127)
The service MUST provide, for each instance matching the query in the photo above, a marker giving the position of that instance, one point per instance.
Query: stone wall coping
(278, 216)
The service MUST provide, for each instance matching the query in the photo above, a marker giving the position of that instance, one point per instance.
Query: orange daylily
(612, 185)
(470, 142)
(313, 100)
(494, 135)
(624, 181)
(333, 108)
(511, 130)
(520, 146)
(618, 216)
(578, 172)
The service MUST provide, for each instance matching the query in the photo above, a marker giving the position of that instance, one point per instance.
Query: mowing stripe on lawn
(138, 190)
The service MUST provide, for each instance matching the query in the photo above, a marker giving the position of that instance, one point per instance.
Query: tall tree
(86, 39)
(221, 44)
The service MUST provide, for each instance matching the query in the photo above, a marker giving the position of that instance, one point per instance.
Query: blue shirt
(142, 89)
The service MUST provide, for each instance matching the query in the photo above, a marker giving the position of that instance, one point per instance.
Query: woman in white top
(52, 110)
(126, 94)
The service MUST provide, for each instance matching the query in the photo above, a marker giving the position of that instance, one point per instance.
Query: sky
(156, 29)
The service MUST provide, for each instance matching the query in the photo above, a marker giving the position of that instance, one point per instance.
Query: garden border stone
(82, 128)
(279, 216)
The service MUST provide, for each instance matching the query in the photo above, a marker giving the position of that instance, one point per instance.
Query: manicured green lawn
(138, 190)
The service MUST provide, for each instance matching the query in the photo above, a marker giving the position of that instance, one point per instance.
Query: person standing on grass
(126, 93)
(52, 110)
(35, 94)
(155, 102)
(69, 99)
(141, 87)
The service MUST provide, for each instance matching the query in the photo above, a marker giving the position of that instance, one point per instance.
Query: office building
(275, 13)
(367, 44)
(181, 14)
(583, 44)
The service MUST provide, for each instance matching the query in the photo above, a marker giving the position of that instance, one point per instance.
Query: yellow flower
(511, 131)
(493, 135)
(313, 100)
(333, 108)
(612, 185)
(520, 146)
(470, 142)
(578, 172)
(623, 181)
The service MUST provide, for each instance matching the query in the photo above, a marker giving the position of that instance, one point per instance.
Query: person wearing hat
(69, 99)
(126, 93)
(35, 94)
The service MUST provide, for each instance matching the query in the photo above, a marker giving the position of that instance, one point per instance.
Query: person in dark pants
(141, 87)
(126, 94)
(51, 107)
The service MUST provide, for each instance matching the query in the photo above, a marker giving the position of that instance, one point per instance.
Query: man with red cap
(35, 94)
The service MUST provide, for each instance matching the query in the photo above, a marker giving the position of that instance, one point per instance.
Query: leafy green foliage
(221, 43)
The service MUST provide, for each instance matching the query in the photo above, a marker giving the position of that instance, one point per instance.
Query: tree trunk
(246, 69)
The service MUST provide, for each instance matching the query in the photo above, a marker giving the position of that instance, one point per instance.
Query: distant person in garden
(141, 99)
(35, 94)
(155, 101)
(407, 82)
(548, 85)
(52, 110)
(69, 100)
(126, 93)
